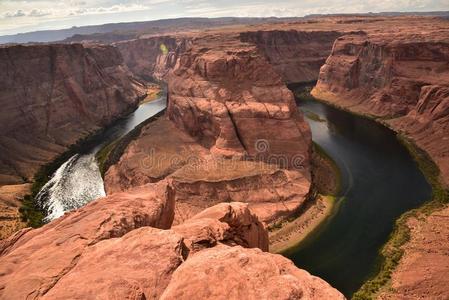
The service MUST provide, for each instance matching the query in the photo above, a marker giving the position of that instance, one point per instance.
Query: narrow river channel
(78, 180)
(380, 181)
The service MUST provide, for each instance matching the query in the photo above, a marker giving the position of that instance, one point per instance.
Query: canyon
(195, 191)
(55, 95)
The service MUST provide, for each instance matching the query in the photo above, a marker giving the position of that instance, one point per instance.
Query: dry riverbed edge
(321, 206)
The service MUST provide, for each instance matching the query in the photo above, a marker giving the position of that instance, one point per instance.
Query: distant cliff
(54, 95)
(296, 56)
(401, 77)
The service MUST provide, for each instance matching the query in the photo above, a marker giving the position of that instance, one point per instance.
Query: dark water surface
(380, 181)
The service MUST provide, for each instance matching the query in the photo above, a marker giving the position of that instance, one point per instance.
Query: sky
(30, 15)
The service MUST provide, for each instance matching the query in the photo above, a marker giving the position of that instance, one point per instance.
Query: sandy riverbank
(292, 233)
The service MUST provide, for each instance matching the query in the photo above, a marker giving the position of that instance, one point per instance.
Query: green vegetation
(31, 213)
(103, 155)
(391, 253)
(314, 117)
(110, 154)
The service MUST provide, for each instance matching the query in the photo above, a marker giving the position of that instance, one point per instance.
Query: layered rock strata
(116, 247)
(228, 97)
(400, 77)
(296, 56)
(200, 180)
(53, 96)
(152, 57)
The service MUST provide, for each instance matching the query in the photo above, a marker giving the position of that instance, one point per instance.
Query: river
(78, 180)
(380, 181)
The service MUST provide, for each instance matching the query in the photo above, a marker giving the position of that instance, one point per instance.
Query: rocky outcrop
(152, 57)
(54, 95)
(120, 247)
(228, 97)
(401, 77)
(33, 262)
(235, 273)
(227, 223)
(296, 56)
(428, 125)
(422, 273)
(272, 193)
(200, 180)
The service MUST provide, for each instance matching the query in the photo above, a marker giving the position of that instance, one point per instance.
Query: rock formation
(153, 56)
(296, 56)
(228, 97)
(236, 273)
(200, 180)
(226, 105)
(400, 77)
(54, 95)
(33, 262)
(116, 247)
(422, 273)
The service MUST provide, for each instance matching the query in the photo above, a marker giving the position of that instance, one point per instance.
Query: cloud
(17, 14)
(21, 15)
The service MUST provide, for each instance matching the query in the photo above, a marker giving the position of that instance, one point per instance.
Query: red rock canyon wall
(52, 96)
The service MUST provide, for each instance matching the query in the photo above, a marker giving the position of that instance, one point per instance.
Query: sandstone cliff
(54, 95)
(199, 179)
(152, 57)
(227, 107)
(422, 272)
(401, 77)
(296, 56)
(120, 247)
(228, 97)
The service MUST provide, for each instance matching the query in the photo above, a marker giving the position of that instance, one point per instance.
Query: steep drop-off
(228, 97)
(296, 56)
(122, 247)
(153, 56)
(53, 96)
(227, 106)
(401, 77)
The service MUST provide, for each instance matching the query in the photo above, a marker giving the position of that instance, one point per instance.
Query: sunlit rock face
(54, 95)
(121, 247)
(229, 98)
(401, 77)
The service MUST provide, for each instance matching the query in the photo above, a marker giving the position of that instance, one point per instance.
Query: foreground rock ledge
(120, 247)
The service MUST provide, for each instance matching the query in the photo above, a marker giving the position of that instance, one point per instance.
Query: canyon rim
(205, 196)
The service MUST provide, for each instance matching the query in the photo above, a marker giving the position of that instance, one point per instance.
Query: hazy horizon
(20, 16)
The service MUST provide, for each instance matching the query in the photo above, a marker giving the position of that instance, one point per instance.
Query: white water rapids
(78, 180)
